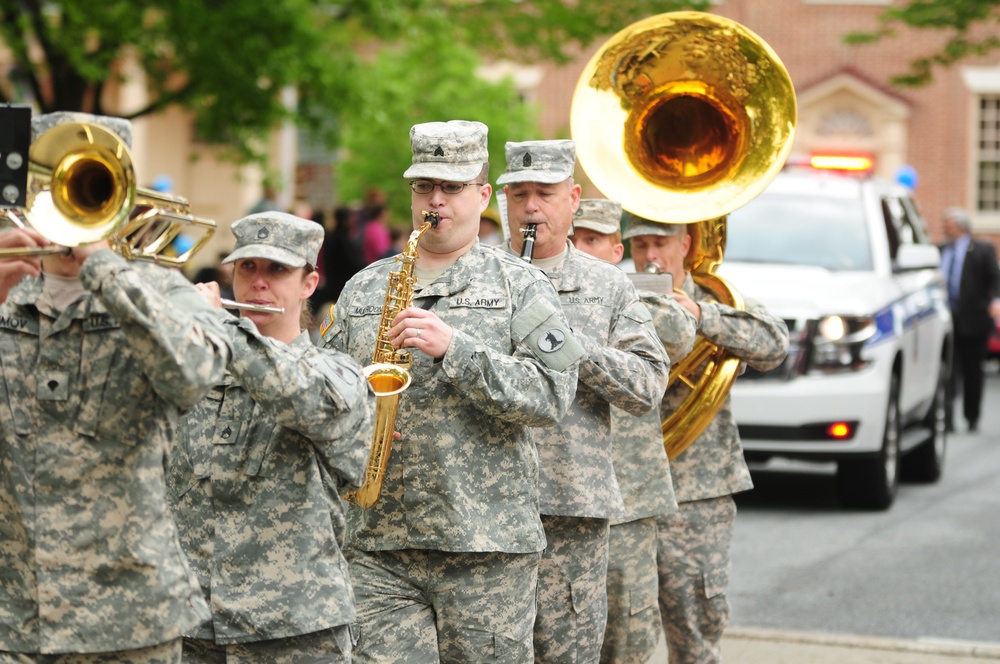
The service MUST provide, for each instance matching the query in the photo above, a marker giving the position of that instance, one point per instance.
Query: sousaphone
(684, 117)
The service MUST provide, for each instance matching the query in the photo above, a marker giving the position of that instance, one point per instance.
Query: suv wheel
(926, 462)
(872, 483)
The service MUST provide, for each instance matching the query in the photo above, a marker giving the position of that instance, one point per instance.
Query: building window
(988, 158)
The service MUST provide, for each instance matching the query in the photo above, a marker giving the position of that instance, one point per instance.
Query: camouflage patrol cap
(454, 151)
(635, 225)
(42, 123)
(547, 162)
(599, 215)
(277, 236)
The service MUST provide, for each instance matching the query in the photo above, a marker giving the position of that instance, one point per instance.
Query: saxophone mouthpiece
(431, 217)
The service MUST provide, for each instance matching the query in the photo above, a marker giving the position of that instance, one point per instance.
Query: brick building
(948, 131)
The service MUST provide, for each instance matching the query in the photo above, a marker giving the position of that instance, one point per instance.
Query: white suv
(847, 263)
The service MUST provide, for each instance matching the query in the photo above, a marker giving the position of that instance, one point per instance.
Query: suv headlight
(838, 341)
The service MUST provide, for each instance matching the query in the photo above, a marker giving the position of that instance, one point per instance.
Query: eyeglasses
(425, 187)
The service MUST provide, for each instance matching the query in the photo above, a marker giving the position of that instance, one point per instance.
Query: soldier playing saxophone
(444, 563)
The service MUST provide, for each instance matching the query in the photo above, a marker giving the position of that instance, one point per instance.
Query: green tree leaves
(970, 26)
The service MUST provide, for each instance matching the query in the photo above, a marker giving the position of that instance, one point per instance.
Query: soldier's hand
(423, 330)
(689, 304)
(13, 269)
(85, 251)
(210, 291)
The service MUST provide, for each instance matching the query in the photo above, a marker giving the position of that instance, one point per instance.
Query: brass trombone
(82, 189)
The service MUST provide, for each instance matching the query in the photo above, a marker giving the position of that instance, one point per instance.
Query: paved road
(813, 582)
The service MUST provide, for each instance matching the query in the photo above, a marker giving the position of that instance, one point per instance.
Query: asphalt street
(756, 638)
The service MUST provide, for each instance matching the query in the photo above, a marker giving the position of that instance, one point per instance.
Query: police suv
(846, 261)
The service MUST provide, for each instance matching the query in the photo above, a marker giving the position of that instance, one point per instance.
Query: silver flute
(246, 306)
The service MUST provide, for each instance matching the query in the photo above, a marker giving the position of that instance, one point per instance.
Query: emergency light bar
(841, 162)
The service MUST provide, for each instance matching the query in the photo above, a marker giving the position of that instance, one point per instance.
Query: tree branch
(163, 100)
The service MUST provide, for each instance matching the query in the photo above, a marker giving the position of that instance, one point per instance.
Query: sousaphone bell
(682, 118)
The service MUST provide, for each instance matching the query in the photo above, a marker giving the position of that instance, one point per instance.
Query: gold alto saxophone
(389, 372)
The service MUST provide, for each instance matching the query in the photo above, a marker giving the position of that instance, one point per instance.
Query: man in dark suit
(970, 266)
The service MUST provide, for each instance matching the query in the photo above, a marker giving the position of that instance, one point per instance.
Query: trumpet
(82, 189)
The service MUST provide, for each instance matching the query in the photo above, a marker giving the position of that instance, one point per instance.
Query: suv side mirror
(917, 257)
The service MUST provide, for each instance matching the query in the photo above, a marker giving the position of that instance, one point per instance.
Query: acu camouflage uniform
(89, 556)
(694, 543)
(643, 474)
(253, 488)
(625, 366)
(464, 476)
(253, 485)
(444, 564)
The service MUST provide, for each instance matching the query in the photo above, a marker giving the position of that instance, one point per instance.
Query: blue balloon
(182, 243)
(163, 183)
(906, 175)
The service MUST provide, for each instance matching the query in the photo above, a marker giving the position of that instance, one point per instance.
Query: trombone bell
(683, 116)
(81, 189)
(81, 184)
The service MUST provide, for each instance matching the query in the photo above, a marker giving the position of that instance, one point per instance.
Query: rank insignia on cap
(526, 162)
(439, 152)
(263, 233)
(551, 340)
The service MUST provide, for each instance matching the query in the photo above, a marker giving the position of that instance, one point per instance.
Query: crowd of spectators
(357, 235)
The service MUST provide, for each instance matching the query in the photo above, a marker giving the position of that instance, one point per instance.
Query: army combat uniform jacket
(89, 556)
(464, 476)
(713, 465)
(254, 485)
(625, 366)
(639, 456)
